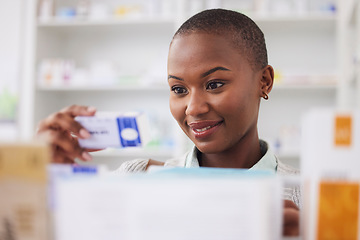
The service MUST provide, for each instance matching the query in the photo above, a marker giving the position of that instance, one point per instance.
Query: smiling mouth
(199, 130)
(204, 129)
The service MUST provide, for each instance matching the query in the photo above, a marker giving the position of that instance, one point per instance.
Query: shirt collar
(268, 162)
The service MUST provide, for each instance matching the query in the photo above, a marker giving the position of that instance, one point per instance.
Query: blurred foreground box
(23, 190)
(41, 201)
(176, 204)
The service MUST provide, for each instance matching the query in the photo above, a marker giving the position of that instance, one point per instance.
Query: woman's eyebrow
(214, 70)
(177, 78)
(204, 74)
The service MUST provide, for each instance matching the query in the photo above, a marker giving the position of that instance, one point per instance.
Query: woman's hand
(61, 131)
(291, 219)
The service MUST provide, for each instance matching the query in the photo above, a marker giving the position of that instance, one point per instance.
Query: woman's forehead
(200, 39)
(198, 48)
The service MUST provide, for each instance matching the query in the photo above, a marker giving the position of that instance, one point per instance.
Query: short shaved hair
(243, 32)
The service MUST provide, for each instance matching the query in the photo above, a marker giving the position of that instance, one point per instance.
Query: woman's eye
(214, 85)
(178, 90)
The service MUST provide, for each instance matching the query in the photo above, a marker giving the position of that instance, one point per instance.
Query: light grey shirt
(269, 162)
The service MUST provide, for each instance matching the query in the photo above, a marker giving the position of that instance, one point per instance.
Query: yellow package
(23, 188)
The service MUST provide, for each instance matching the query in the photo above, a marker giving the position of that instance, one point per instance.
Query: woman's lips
(204, 129)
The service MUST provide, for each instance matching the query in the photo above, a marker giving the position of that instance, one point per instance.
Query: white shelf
(139, 88)
(113, 158)
(293, 18)
(9, 131)
(135, 153)
(305, 87)
(259, 18)
(74, 22)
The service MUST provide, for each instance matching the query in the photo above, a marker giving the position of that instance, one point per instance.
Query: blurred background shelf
(146, 152)
(304, 41)
(305, 87)
(135, 88)
(306, 18)
(113, 158)
(113, 21)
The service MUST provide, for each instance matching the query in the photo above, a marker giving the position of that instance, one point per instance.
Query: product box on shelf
(330, 151)
(23, 188)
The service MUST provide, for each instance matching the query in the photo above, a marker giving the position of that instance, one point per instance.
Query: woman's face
(215, 93)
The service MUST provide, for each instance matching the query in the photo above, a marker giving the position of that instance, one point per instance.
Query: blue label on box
(128, 132)
(84, 169)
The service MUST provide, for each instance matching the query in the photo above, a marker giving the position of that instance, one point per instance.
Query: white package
(115, 130)
(177, 208)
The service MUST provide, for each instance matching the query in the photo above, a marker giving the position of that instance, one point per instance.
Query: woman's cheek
(177, 109)
(224, 104)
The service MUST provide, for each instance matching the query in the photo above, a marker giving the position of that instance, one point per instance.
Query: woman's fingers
(94, 150)
(64, 120)
(61, 131)
(77, 110)
(64, 146)
(59, 156)
(64, 141)
(291, 219)
(61, 121)
(290, 204)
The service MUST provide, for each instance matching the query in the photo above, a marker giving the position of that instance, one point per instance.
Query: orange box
(343, 131)
(338, 211)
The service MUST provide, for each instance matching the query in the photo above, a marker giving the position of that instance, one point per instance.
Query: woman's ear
(267, 80)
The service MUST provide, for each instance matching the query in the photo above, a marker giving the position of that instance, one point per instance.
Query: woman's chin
(208, 148)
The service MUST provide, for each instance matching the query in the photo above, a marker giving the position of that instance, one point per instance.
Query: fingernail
(91, 109)
(86, 156)
(84, 134)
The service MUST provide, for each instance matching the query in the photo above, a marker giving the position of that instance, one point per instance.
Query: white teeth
(203, 129)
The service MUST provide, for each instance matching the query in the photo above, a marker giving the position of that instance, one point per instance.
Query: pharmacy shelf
(161, 88)
(305, 87)
(135, 152)
(74, 22)
(268, 18)
(113, 158)
(9, 131)
(113, 161)
(311, 83)
(297, 44)
(135, 88)
(308, 18)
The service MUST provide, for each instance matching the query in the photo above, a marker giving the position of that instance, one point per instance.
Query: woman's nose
(196, 104)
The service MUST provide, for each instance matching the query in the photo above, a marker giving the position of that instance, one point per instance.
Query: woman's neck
(245, 154)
